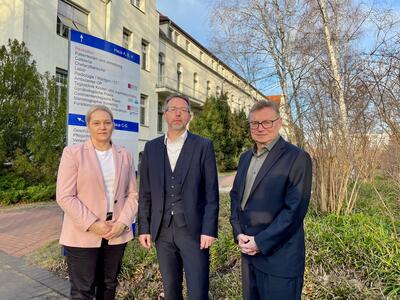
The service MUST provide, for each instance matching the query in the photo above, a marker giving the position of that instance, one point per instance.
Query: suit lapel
(243, 173)
(118, 166)
(272, 157)
(159, 157)
(185, 157)
(94, 162)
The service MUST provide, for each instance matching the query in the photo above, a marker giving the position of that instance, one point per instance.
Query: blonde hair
(96, 108)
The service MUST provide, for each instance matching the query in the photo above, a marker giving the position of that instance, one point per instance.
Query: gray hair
(95, 108)
(259, 105)
(176, 95)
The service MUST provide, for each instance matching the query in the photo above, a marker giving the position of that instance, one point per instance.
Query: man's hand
(247, 244)
(116, 229)
(100, 228)
(206, 241)
(145, 240)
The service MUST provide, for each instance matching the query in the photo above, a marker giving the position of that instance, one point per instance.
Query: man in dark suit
(269, 200)
(179, 202)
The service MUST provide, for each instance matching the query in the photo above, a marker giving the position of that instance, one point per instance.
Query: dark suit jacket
(275, 209)
(199, 186)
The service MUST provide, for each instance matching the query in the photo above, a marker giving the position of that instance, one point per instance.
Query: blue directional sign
(103, 73)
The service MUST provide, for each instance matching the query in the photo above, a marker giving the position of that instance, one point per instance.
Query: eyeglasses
(176, 109)
(265, 124)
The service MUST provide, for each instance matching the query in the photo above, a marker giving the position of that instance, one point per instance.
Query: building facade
(171, 60)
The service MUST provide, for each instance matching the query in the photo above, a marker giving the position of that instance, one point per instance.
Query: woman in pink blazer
(96, 188)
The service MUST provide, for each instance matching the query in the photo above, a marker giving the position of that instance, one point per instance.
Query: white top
(106, 161)
(174, 148)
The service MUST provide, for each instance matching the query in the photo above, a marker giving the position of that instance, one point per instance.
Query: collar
(182, 138)
(267, 148)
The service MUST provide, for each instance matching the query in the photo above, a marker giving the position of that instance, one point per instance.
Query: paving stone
(18, 283)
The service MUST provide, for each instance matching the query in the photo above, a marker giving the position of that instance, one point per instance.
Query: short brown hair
(96, 108)
(264, 104)
(176, 95)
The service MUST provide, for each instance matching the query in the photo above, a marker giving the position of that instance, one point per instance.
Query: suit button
(172, 195)
(172, 186)
(172, 177)
(115, 201)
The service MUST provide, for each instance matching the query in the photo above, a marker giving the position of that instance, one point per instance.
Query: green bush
(228, 130)
(357, 253)
(15, 189)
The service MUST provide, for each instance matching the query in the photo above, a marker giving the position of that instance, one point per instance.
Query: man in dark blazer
(179, 202)
(269, 200)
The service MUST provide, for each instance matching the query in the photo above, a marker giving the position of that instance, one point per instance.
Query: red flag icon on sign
(130, 86)
(129, 107)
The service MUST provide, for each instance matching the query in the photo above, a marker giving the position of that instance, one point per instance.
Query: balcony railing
(171, 84)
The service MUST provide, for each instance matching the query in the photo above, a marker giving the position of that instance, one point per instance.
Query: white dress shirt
(174, 148)
(106, 161)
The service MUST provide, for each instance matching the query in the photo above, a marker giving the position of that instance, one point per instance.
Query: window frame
(143, 107)
(67, 20)
(126, 32)
(139, 4)
(145, 53)
(60, 74)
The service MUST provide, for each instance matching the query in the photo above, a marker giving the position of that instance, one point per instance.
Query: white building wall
(11, 20)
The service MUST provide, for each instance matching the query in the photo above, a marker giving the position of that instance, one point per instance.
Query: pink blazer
(81, 194)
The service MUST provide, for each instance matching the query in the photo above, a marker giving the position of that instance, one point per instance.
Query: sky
(191, 15)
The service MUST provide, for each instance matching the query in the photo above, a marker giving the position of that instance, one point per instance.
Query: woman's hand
(100, 228)
(117, 228)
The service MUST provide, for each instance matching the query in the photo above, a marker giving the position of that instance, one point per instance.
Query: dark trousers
(258, 285)
(94, 267)
(177, 249)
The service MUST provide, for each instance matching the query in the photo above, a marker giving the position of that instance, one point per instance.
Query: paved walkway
(20, 281)
(225, 183)
(22, 231)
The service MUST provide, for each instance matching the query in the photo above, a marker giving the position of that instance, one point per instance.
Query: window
(195, 81)
(71, 16)
(208, 88)
(138, 3)
(179, 77)
(143, 109)
(160, 113)
(126, 38)
(145, 55)
(161, 67)
(61, 82)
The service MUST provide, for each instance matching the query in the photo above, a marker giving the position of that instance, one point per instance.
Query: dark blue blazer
(275, 209)
(199, 186)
